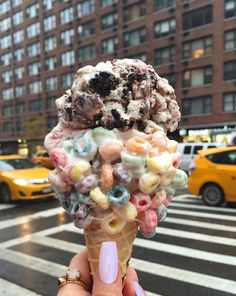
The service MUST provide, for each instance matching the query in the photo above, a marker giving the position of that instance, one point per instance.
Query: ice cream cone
(95, 235)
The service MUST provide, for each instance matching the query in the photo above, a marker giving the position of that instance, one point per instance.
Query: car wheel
(5, 193)
(212, 195)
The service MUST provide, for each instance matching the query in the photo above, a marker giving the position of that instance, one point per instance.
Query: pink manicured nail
(138, 289)
(108, 263)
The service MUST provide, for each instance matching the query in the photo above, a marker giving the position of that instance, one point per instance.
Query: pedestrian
(106, 282)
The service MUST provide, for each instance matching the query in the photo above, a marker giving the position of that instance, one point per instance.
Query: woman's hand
(107, 281)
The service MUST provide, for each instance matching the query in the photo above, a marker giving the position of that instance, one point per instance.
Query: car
(42, 158)
(189, 151)
(213, 175)
(22, 179)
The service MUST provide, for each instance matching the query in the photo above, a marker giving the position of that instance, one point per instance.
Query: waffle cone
(95, 235)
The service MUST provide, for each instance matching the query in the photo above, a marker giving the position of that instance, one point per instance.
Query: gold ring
(73, 276)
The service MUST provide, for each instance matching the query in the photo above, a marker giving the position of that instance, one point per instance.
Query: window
(51, 83)
(34, 49)
(134, 11)
(227, 157)
(197, 106)
(5, 42)
(35, 87)
(8, 127)
(230, 70)
(197, 48)
(7, 76)
(109, 20)
(49, 23)
(230, 8)
(20, 91)
(109, 45)
(18, 36)
(33, 30)
(197, 18)
(7, 110)
(19, 72)
(85, 7)
(48, 4)
(5, 24)
(17, 18)
(171, 77)
(162, 4)
(197, 77)
(20, 108)
(66, 15)
(140, 56)
(19, 54)
(8, 93)
(32, 10)
(86, 29)
(164, 28)
(50, 43)
(51, 103)
(230, 102)
(68, 58)
(187, 150)
(135, 37)
(16, 3)
(67, 36)
(5, 7)
(105, 3)
(34, 68)
(20, 126)
(52, 122)
(35, 106)
(6, 59)
(50, 63)
(87, 53)
(164, 55)
(67, 79)
(230, 40)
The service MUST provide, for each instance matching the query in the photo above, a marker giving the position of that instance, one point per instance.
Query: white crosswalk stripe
(185, 246)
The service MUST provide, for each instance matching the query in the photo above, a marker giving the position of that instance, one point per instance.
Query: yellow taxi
(42, 158)
(21, 179)
(213, 175)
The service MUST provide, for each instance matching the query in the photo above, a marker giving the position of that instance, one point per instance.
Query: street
(193, 252)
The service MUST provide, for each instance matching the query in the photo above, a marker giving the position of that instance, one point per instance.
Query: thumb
(108, 279)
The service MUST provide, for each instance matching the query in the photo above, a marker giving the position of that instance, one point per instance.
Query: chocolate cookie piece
(103, 83)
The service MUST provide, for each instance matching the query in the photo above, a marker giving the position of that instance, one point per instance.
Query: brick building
(42, 43)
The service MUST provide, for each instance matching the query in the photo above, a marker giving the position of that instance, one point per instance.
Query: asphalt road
(193, 253)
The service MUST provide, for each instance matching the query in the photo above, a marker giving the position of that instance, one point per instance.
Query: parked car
(43, 159)
(213, 175)
(189, 151)
(22, 179)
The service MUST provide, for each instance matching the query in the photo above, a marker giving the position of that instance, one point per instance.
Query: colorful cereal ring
(138, 145)
(87, 183)
(161, 212)
(148, 182)
(180, 180)
(132, 161)
(99, 198)
(149, 234)
(111, 150)
(122, 174)
(141, 201)
(112, 224)
(101, 135)
(84, 146)
(118, 195)
(147, 220)
(159, 164)
(128, 211)
(107, 175)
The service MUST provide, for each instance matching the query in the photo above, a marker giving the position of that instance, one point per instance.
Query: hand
(107, 281)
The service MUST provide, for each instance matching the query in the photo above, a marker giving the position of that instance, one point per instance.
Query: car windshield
(16, 164)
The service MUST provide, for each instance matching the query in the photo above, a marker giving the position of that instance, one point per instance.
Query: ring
(73, 276)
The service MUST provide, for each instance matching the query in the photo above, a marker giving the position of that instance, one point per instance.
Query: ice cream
(115, 169)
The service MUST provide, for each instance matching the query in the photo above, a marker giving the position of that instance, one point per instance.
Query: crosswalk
(193, 253)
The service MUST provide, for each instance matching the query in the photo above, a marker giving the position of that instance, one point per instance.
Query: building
(42, 43)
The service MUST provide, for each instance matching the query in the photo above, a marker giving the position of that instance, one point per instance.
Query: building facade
(43, 43)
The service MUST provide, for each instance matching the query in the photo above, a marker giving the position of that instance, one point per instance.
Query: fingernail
(108, 263)
(138, 289)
